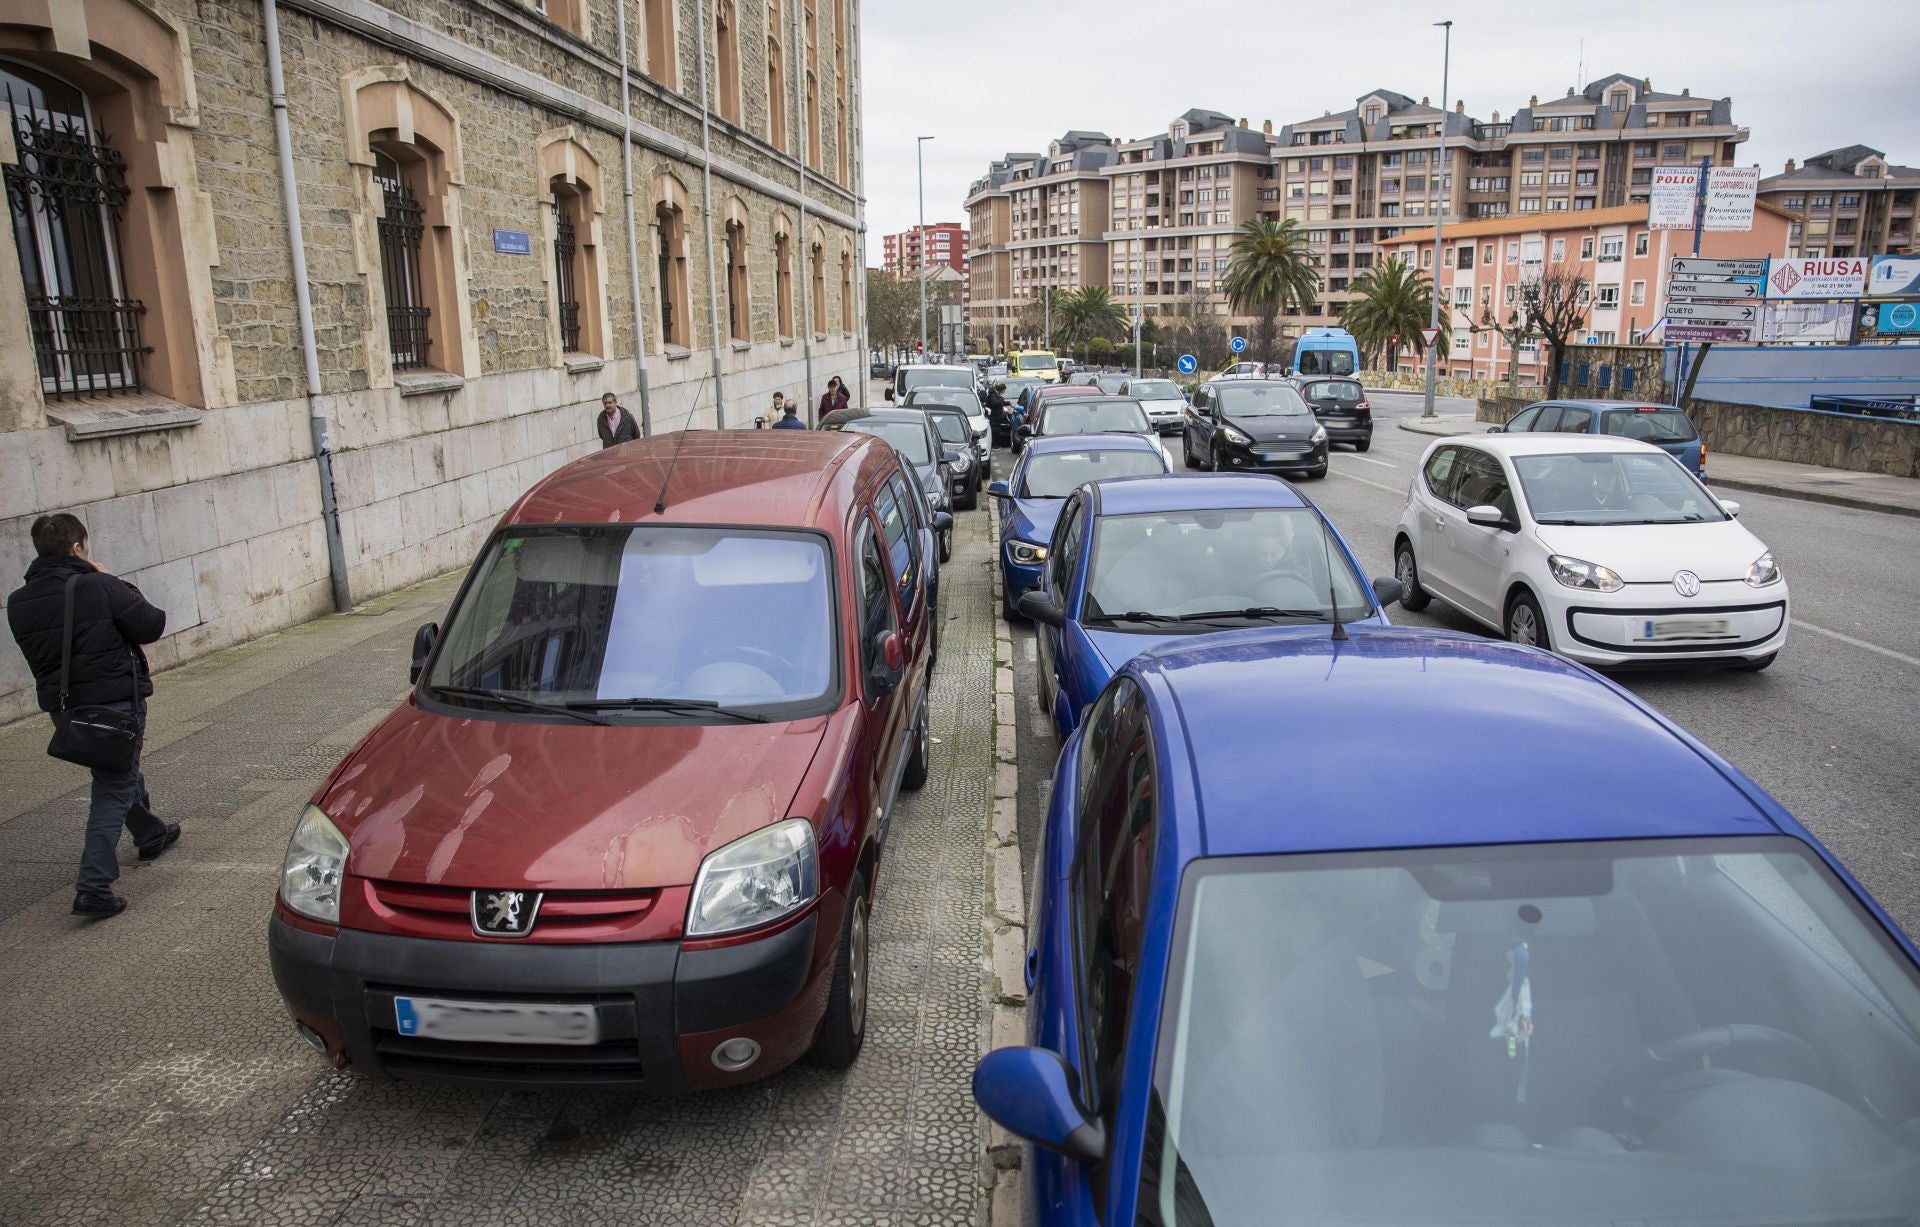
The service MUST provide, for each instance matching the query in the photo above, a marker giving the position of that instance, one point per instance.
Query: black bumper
(644, 994)
(1248, 460)
(1348, 432)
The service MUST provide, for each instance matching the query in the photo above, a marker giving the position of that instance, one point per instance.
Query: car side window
(1481, 482)
(1112, 874)
(876, 596)
(1202, 399)
(1526, 419)
(894, 502)
(1575, 421)
(1440, 472)
(1066, 545)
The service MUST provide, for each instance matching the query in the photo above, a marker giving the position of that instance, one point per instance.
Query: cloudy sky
(988, 76)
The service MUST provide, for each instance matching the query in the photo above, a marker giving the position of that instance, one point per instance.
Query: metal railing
(402, 228)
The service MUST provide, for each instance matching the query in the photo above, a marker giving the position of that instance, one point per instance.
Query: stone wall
(1805, 436)
(218, 519)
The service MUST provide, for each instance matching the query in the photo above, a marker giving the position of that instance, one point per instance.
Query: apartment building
(1847, 202)
(991, 305)
(1487, 263)
(941, 245)
(503, 217)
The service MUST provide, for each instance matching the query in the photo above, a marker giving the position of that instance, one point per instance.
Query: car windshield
(908, 438)
(937, 379)
(952, 427)
(1058, 474)
(593, 615)
(1334, 390)
(1172, 563)
(1154, 389)
(1698, 1032)
(1613, 488)
(1095, 415)
(1650, 425)
(1036, 362)
(1259, 400)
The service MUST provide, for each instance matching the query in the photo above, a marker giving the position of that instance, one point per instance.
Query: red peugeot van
(625, 829)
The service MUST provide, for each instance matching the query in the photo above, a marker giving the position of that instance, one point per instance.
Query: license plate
(1278, 455)
(1683, 628)
(496, 1022)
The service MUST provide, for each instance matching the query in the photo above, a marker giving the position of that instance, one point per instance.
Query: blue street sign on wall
(512, 242)
(1899, 317)
(1238, 345)
(1187, 364)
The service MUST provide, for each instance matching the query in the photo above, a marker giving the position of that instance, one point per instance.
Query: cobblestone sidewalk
(150, 1074)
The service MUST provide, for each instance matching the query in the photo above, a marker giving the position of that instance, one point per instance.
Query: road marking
(1363, 481)
(1902, 657)
(1370, 460)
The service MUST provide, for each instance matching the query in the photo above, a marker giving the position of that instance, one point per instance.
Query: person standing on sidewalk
(789, 414)
(835, 397)
(614, 423)
(111, 620)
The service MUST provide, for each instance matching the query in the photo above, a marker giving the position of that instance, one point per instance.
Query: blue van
(1664, 426)
(1326, 351)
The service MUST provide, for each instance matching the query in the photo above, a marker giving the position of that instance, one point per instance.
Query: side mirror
(1730, 507)
(893, 651)
(1030, 1093)
(950, 454)
(1041, 608)
(1496, 430)
(888, 394)
(1488, 517)
(423, 641)
(999, 489)
(942, 521)
(1387, 591)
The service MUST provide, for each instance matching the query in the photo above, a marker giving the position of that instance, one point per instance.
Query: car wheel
(1525, 624)
(1214, 464)
(946, 546)
(1413, 598)
(1756, 664)
(1363, 445)
(844, 1029)
(920, 756)
(933, 640)
(1009, 611)
(1186, 450)
(1318, 473)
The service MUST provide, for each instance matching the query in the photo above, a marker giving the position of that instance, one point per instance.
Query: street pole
(1438, 170)
(920, 159)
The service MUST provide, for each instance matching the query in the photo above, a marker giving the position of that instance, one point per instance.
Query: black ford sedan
(1254, 426)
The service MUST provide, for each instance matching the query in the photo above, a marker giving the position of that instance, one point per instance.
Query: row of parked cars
(1333, 920)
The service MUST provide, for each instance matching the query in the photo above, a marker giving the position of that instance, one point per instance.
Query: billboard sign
(1893, 276)
(1806, 323)
(1816, 277)
(1730, 196)
(1671, 199)
(1898, 317)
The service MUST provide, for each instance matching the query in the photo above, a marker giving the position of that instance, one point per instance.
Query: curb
(1814, 496)
(1004, 917)
(1437, 434)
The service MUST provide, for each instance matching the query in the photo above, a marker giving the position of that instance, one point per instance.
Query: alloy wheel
(1521, 625)
(857, 966)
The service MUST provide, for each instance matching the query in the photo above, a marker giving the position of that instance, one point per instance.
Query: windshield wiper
(1132, 615)
(1252, 611)
(697, 706)
(517, 702)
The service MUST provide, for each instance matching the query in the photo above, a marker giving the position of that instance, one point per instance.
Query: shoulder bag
(102, 738)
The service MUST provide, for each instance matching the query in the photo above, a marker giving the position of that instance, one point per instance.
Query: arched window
(726, 36)
(739, 301)
(819, 257)
(846, 287)
(578, 299)
(67, 194)
(813, 120)
(567, 208)
(402, 228)
(776, 92)
(783, 278)
(670, 244)
(660, 49)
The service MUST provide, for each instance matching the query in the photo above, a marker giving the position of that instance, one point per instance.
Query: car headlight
(1319, 435)
(1579, 573)
(755, 880)
(1764, 571)
(1026, 553)
(315, 863)
(962, 464)
(1234, 436)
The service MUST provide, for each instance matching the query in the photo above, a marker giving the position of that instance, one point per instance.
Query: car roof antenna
(660, 503)
(1333, 598)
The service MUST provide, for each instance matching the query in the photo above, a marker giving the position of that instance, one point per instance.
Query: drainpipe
(633, 233)
(317, 423)
(800, 156)
(706, 193)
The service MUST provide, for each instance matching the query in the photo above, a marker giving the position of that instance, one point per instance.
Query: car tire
(1756, 664)
(1186, 450)
(843, 1030)
(1525, 623)
(1362, 445)
(1009, 611)
(914, 778)
(1317, 474)
(1214, 463)
(1413, 597)
(946, 546)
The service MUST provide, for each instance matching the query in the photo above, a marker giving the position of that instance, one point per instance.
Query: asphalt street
(1829, 730)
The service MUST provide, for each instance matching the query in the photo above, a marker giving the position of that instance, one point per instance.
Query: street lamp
(920, 159)
(1440, 220)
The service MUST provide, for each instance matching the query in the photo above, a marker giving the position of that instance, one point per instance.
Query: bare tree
(1554, 304)
(1515, 332)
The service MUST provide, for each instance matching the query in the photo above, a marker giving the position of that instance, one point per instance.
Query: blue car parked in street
(1047, 472)
(1421, 928)
(1664, 426)
(1139, 562)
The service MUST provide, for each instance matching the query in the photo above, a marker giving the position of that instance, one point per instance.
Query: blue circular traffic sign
(1238, 345)
(1187, 364)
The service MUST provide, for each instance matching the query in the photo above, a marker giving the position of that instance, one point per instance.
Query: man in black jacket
(110, 622)
(615, 424)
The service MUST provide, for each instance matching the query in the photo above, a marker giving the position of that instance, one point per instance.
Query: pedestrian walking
(615, 424)
(81, 631)
(835, 397)
(789, 414)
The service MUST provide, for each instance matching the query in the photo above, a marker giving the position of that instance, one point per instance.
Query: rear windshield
(1154, 389)
(935, 379)
(582, 618)
(1325, 362)
(908, 438)
(1058, 474)
(1333, 389)
(952, 428)
(961, 397)
(1035, 362)
(1095, 415)
(1648, 425)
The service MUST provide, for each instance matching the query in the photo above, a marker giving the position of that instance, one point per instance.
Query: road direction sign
(1428, 336)
(1710, 332)
(1713, 313)
(1187, 364)
(1238, 345)
(1738, 270)
(1684, 288)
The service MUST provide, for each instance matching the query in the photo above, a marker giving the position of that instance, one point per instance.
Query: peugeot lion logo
(505, 913)
(1686, 583)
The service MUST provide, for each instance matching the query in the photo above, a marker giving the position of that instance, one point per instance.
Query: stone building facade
(475, 285)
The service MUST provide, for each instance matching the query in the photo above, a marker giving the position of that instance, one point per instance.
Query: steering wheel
(1686, 1052)
(1286, 575)
(776, 666)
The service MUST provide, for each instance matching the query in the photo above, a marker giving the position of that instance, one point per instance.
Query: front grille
(608, 1063)
(565, 915)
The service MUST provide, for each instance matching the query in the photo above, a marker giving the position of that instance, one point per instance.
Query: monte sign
(1690, 288)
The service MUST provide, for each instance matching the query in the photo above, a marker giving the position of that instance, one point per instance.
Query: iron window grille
(564, 249)
(402, 227)
(66, 193)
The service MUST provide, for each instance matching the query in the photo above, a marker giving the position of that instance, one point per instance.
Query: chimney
(1569, 91)
(1496, 117)
(1460, 106)
(1534, 101)
(1243, 121)
(1266, 126)
(1790, 166)
(1424, 101)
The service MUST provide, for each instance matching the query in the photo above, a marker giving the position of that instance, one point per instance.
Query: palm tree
(1272, 268)
(1088, 312)
(1392, 302)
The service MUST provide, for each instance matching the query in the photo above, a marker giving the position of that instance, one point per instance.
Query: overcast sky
(986, 77)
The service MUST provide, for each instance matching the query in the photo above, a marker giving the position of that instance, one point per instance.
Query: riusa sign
(1816, 277)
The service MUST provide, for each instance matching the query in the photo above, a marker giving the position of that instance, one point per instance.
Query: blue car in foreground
(1047, 472)
(1137, 563)
(1423, 928)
